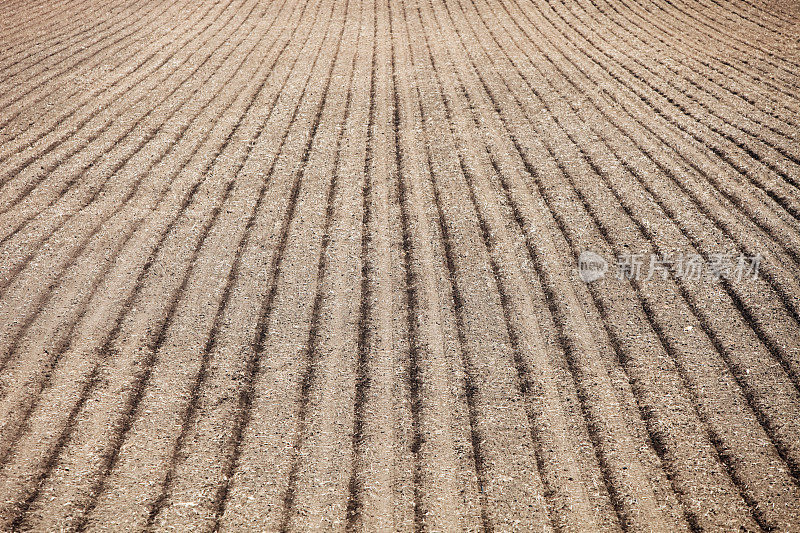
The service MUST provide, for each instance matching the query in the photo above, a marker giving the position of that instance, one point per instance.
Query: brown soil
(313, 265)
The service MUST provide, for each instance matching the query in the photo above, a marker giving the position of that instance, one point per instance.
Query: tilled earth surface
(314, 265)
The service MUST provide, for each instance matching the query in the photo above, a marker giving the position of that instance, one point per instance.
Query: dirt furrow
(716, 115)
(737, 39)
(50, 49)
(786, 358)
(289, 177)
(667, 170)
(81, 156)
(659, 307)
(248, 102)
(700, 54)
(68, 254)
(568, 501)
(48, 131)
(122, 483)
(508, 477)
(37, 15)
(601, 399)
(379, 492)
(198, 166)
(33, 89)
(142, 182)
(693, 166)
(629, 32)
(444, 426)
(790, 329)
(525, 212)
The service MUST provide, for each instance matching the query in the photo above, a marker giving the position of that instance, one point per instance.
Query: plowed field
(395, 265)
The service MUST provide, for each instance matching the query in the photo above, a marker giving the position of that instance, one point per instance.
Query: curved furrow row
(62, 138)
(17, 20)
(703, 165)
(667, 169)
(34, 86)
(790, 485)
(191, 475)
(740, 81)
(150, 141)
(379, 492)
(91, 91)
(245, 101)
(767, 18)
(708, 25)
(790, 290)
(602, 158)
(43, 50)
(66, 255)
(785, 293)
(594, 401)
(569, 503)
(735, 14)
(722, 118)
(744, 51)
(190, 168)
